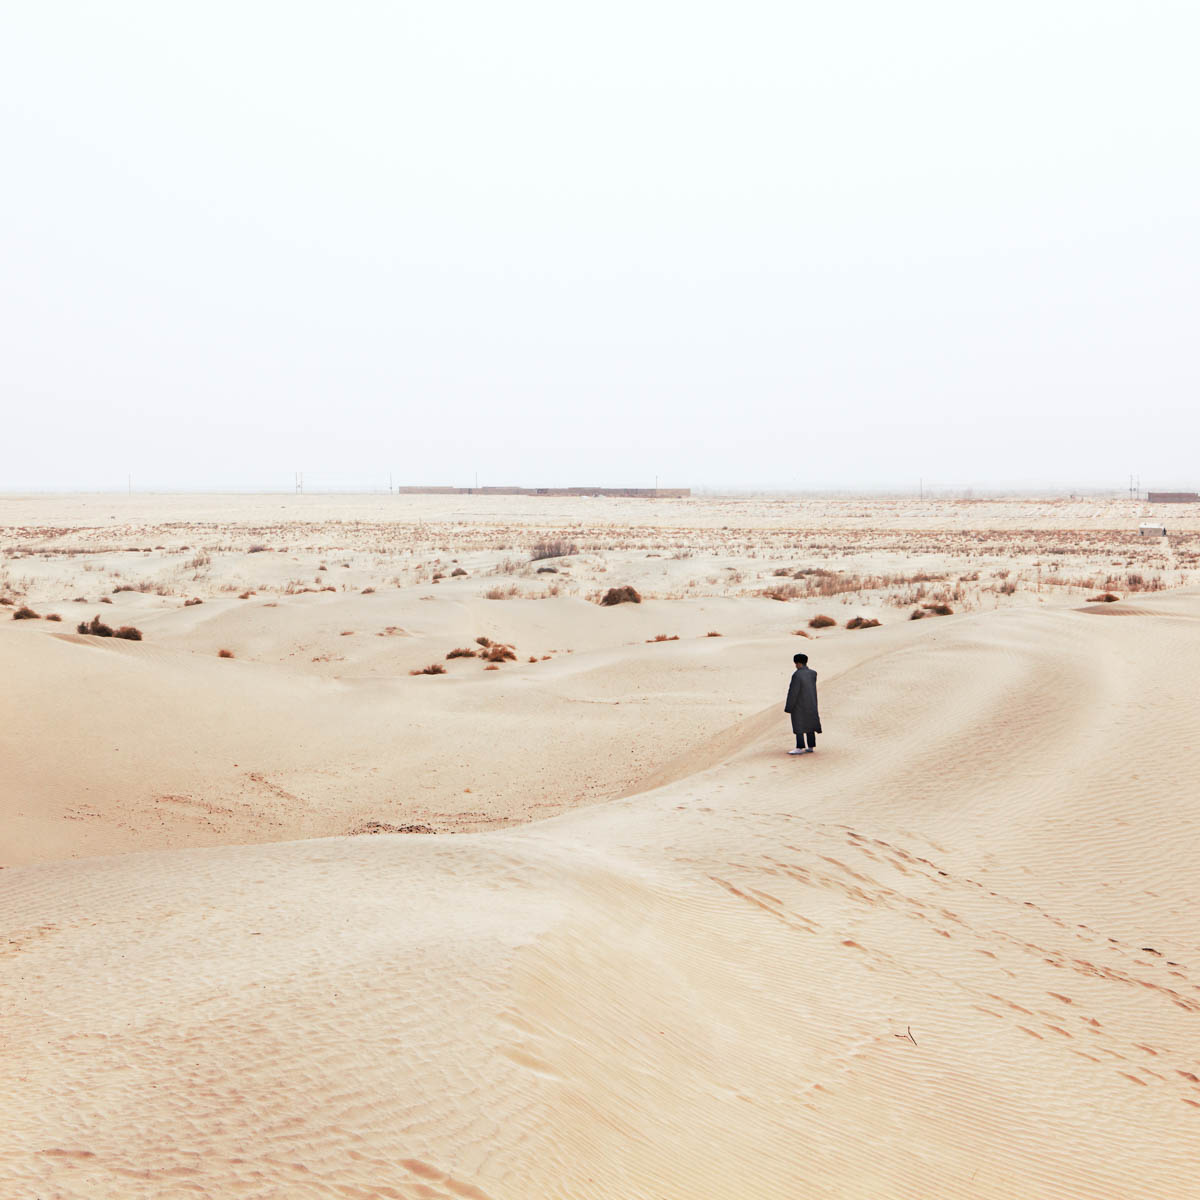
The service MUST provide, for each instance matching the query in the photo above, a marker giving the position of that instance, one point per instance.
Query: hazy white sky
(758, 244)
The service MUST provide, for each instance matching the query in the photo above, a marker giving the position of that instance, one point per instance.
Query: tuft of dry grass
(662, 637)
(621, 595)
(367, 591)
(94, 628)
(552, 548)
(821, 622)
(938, 610)
(432, 669)
(129, 632)
(105, 600)
(224, 653)
(246, 595)
(712, 633)
(498, 652)
(192, 601)
(1103, 598)
(53, 617)
(25, 613)
(462, 652)
(256, 548)
(801, 633)
(862, 623)
(501, 593)
(456, 572)
(491, 667)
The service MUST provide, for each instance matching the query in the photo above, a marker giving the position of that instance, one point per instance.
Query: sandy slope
(955, 953)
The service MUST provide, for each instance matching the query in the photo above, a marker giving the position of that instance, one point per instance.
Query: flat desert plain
(285, 916)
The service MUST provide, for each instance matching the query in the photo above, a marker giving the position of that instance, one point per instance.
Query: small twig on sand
(907, 1034)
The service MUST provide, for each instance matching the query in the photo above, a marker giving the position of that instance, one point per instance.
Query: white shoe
(797, 751)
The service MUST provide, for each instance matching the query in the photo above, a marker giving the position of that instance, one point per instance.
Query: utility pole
(921, 486)
(131, 483)
(299, 483)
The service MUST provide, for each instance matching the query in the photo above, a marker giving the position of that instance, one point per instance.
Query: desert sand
(296, 922)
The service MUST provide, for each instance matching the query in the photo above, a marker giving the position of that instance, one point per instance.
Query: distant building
(1173, 497)
(1150, 529)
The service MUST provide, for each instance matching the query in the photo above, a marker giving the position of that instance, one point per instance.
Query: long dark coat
(802, 701)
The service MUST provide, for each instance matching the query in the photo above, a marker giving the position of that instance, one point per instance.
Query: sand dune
(954, 953)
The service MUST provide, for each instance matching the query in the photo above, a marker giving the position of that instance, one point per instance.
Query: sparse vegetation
(501, 593)
(25, 613)
(498, 652)
(621, 595)
(662, 637)
(821, 622)
(461, 652)
(94, 628)
(129, 633)
(712, 633)
(432, 669)
(552, 548)
(862, 623)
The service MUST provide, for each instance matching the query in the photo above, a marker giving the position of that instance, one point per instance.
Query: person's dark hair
(802, 659)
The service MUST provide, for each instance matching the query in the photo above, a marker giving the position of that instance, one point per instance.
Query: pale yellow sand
(954, 953)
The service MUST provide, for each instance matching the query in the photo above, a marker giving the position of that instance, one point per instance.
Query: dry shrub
(437, 577)
(53, 617)
(432, 669)
(501, 593)
(347, 633)
(367, 591)
(462, 652)
(193, 600)
(712, 633)
(129, 633)
(801, 633)
(784, 591)
(95, 628)
(498, 653)
(6, 601)
(245, 595)
(25, 613)
(861, 623)
(533, 658)
(547, 570)
(662, 637)
(552, 548)
(621, 595)
(821, 622)
(938, 610)
(483, 641)
(105, 600)
(917, 614)
(256, 548)
(457, 571)
(782, 571)
(1104, 598)
(491, 667)
(224, 653)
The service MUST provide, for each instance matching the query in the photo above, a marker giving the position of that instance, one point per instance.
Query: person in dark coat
(802, 704)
